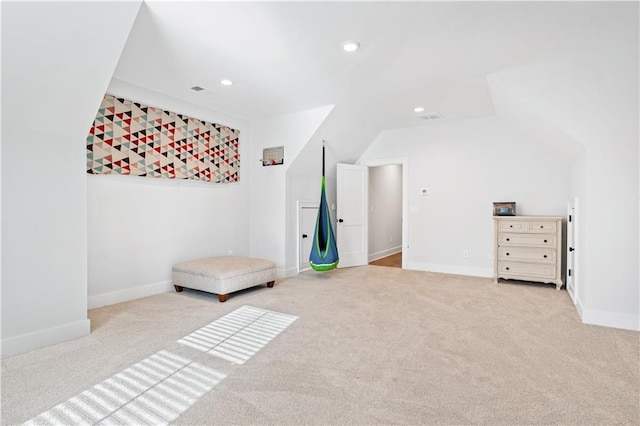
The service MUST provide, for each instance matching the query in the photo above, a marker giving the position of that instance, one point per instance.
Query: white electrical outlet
(465, 253)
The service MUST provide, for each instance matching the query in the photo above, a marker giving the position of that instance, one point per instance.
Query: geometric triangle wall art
(130, 138)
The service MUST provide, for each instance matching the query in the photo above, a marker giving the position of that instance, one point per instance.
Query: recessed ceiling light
(226, 82)
(418, 109)
(350, 46)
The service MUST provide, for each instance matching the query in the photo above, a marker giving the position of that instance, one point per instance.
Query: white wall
(385, 211)
(273, 218)
(467, 165)
(145, 225)
(594, 100)
(57, 60)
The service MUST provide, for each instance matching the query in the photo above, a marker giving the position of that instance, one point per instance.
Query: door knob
(340, 220)
(304, 235)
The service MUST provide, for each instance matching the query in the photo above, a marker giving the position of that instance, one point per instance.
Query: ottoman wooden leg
(223, 297)
(270, 284)
(178, 288)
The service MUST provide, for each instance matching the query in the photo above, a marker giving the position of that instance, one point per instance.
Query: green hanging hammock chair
(324, 252)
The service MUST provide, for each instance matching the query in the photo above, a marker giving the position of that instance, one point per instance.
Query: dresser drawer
(512, 226)
(527, 240)
(517, 254)
(528, 270)
(542, 227)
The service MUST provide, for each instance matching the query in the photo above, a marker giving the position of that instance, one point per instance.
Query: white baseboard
(607, 319)
(588, 316)
(39, 339)
(113, 297)
(451, 269)
(579, 308)
(610, 319)
(286, 273)
(384, 253)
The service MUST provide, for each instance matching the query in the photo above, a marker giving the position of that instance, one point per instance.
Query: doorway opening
(307, 214)
(386, 213)
(354, 211)
(391, 261)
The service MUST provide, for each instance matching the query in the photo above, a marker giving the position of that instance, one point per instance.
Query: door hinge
(569, 272)
(570, 218)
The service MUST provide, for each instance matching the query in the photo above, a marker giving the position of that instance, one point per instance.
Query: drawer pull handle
(545, 241)
(507, 268)
(510, 226)
(545, 256)
(507, 239)
(541, 226)
(507, 254)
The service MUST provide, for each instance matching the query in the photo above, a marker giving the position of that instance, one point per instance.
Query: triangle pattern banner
(130, 138)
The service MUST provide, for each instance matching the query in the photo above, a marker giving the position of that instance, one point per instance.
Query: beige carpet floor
(372, 345)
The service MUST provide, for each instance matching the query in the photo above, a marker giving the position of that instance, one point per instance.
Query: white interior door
(351, 230)
(571, 249)
(307, 216)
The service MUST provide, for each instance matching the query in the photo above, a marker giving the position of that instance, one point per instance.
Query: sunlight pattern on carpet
(155, 391)
(240, 334)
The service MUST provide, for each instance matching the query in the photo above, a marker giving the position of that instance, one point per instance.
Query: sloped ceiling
(286, 56)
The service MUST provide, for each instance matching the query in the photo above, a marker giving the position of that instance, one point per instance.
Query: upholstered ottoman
(223, 274)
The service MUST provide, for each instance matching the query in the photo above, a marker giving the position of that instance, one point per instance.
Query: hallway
(393, 261)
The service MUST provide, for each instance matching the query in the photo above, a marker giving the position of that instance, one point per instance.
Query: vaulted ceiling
(287, 56)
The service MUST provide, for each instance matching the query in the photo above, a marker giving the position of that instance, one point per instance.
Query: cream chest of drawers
(528, 248)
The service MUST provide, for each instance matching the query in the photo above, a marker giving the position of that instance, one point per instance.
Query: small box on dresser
(528, 248)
